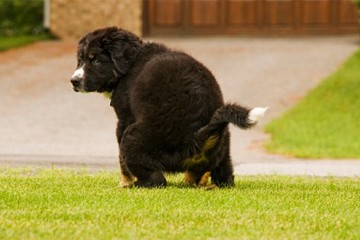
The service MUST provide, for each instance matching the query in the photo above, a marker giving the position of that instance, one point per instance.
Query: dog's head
(104, 56)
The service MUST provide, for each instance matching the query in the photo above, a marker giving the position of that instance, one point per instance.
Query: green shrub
(357, 2)
(19, 17)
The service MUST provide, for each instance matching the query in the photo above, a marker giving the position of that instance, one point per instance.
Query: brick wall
(71, 19)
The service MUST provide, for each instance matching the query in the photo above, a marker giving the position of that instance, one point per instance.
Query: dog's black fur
(171, 114)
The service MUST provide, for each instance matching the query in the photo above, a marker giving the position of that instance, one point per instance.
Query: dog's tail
(240, 116)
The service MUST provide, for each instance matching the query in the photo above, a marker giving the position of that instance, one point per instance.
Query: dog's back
(175, 96)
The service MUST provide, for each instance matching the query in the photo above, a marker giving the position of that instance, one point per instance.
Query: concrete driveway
(44, 122)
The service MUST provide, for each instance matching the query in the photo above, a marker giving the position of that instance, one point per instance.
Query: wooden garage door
(249, 16)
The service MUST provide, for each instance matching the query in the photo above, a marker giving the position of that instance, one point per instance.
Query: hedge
(19, 17)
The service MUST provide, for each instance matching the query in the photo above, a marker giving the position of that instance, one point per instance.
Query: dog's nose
(77, 76)
(75, 81)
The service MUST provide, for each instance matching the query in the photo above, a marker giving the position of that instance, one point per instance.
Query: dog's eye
(95, 62)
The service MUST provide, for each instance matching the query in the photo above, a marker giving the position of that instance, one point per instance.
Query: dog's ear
(123, 47)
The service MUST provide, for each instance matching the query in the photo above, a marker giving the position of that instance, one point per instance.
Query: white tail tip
(256, 114)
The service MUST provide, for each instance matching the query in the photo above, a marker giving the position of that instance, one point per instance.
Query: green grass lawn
(64, 204)
(18, 41)
(326, 123)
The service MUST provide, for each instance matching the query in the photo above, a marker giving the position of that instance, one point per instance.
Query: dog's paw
(126, 181)
(204, 179)
(256, 114)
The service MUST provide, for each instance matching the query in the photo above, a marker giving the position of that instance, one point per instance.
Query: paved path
(44, 122)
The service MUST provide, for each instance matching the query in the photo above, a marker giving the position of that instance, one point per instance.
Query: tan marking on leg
(125, 180)
(210, 143)
(204, 182)
(204, 179)
(190, 179)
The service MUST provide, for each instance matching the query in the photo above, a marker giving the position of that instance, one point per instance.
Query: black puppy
(171, 113)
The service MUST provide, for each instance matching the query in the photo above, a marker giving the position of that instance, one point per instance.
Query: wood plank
(205, 13)
(242, 12)
(168, 13)
(316, 12)
(347, 12)
(279, 13)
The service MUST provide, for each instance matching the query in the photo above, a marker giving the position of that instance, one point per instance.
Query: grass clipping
(326, 123)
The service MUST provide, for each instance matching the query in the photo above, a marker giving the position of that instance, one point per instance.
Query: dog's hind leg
(222, 173)
(150, 179)
(144, 167)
